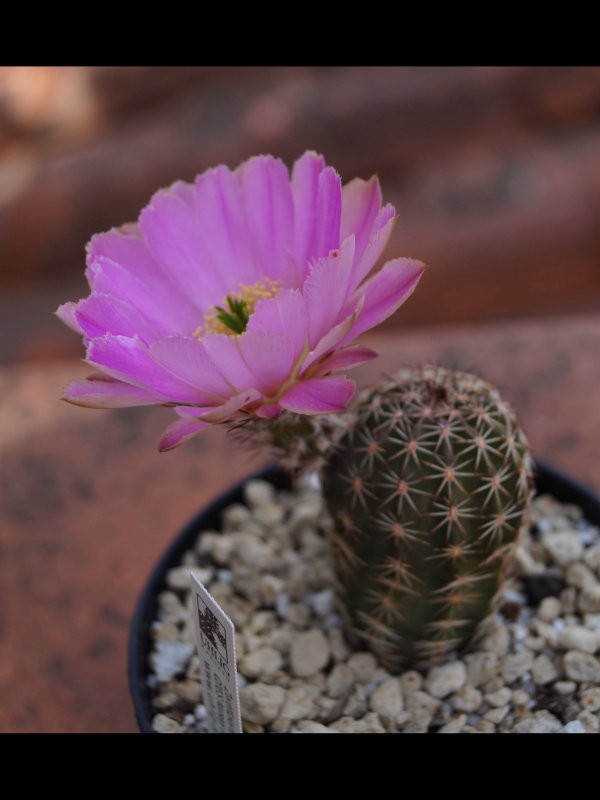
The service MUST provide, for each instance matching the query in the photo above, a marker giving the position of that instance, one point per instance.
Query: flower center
(232, 316)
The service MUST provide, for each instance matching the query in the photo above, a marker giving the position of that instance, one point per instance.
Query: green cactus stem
(427, 488)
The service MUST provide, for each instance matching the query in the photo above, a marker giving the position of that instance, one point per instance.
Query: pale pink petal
(361, 203)
(271, 411)
(222, 413)
(317, 210)
(225, 240)
(382, 230)
(284, 314)
(177, 239)
(129, 360)
(180, 432)
(225, 354)
(155, 305)
(66, 313)
(104, 313)
(188, 360)
(385, 292)
(327, 290)
(332, 338)
(146, 284)
(270, 358)
(100, 391)
(267, 197)
(344, 359)
(318, 395)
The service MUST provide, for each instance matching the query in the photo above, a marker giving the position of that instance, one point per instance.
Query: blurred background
(494, 171)
(495, 174)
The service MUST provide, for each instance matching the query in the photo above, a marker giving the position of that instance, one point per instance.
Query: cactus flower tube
(239, 296)
(427, 487)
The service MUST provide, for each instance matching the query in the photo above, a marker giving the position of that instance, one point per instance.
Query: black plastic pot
(548, 481)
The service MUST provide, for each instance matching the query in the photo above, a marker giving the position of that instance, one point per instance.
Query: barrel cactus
(427, 488)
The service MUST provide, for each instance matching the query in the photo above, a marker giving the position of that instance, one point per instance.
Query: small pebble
(443, 680)
(539, 722)
(261, 703)
(515, 666)
(467, 699)
(564, 547)
(590, 699)
(582, 666)
(363, 665)
(549, 609)
(575, 726)
(387, 700)
(543, 670)
(576, 637)
(310, 653)
(455, 725)
(261, 662)
(164, 724)
(499, 698)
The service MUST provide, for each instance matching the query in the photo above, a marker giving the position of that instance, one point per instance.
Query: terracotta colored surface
(87, 504)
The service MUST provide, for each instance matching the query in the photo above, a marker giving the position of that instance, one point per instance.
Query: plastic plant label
(218, 670)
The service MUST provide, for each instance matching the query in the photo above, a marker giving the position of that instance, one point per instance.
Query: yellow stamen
(249, 295)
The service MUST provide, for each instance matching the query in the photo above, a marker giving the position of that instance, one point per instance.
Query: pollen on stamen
(249, 295)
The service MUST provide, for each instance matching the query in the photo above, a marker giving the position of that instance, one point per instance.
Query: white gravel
(535, 669)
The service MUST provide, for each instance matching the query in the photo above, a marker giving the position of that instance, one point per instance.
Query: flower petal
(269, 357)
(99, 391)
(179, 432)
(104, 313)
(66, 313)
(180, 242)
(283, 315)
(318, 395)
(386, 292)
(361, 203)
(267, 198)
(232, 406)
(120, 264)
(187, 358)
(382, 230)
(317, 210)
(129, 360)
(344, 359)
(326, 290)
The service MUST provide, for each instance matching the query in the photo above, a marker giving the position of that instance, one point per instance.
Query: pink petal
(225, 240)
(100, 391)
(361, 203)
(333, 337)
(283, 315)
(382, 230)
(188, 360)
(344, 359)
(224, 411)
(120, 264)
(232, 406)
(317, 210)
(267, 196)
(180, 432)
(129, 360)
(196, 261)
(269, 357)
(66, 313)
(225, 354)
(386, 292)
(326, 290)
(318, 395)
(104, 313)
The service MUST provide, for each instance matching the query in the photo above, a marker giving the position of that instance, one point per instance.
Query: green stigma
(237, 317)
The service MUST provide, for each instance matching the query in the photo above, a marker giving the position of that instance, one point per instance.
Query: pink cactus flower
(239, 294)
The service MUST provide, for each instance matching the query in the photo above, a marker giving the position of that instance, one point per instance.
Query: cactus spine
(427, 489)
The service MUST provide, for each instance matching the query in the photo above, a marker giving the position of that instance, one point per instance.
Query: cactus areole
(427, 489)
